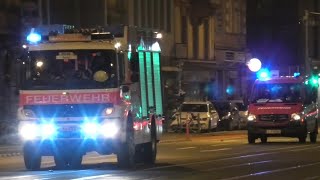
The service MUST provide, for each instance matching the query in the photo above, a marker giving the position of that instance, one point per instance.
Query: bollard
(188, 127)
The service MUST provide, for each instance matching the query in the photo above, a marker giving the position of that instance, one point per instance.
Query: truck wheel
(251, 138)
(126, 151)
(31, 156)
(264, 139)
(151, 147)
(302, 139)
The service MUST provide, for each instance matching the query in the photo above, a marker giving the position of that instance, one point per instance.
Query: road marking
(295, 150)
(312, 178)
(271, 171)
(215, 145)
(240, 156)
(215, 150)
(239, 165)
(183, 148)
(92, 177)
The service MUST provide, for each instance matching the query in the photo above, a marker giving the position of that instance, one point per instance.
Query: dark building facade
(274, 32)
(277, 33)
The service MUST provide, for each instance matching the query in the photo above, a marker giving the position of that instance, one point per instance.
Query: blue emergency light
(34, 37)
(263, 74)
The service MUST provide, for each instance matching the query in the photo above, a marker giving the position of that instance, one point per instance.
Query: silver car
(201, 116)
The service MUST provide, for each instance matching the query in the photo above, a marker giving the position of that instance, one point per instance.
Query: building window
(229, 56)
(161, 18)
(156, 13)
(143, 13)
(169, 4)
(206, 38)
(184, 29)
(136, 12)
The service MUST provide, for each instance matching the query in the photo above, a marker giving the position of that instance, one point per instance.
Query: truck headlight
(295, 117)
(90, 129)
(28, 131)
(48, 130)
(109, 129)
(251, 117)
(108, 111)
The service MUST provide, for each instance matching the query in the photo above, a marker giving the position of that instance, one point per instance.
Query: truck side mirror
(125, 89)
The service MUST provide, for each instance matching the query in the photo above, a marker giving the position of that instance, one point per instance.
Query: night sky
(273, 31)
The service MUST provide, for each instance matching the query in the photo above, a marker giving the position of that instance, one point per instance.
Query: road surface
(225, 156)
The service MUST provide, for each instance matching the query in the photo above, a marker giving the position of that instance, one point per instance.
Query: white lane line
(230, 140)
(93, 177)
(271, 171)
(215, 150)
(295, 150)
(312, 178)
(235, 156)
(240, 165)
(215, 145)
(183, 148)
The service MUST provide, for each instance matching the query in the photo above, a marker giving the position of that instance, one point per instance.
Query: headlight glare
(251, 117)
(295, 117)
(48, 130)
(109, 129)
(28, 131)
(90, 129)
(108, 111)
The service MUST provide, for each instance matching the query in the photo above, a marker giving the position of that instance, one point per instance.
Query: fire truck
(283, 106)
(86, 90)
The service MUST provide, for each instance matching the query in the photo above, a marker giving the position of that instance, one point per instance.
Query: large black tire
(150, 148)
(126, 151)
(251, 138)
(302, 139)
(264, 139)
(31, 156)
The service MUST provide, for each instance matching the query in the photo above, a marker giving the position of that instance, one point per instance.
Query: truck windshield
(81, 69)
(194, 108)
(277, 93)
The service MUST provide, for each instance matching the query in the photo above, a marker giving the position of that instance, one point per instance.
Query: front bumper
(292, 129)
(51, 147)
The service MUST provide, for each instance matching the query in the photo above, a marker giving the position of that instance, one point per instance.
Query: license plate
(69, 128)
(273, 131)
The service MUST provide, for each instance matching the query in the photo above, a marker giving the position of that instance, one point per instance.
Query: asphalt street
(222, 155)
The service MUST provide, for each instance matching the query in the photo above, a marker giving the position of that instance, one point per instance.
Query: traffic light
(312, 81)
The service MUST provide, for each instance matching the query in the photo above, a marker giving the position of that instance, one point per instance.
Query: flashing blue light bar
(296, 74)
(263, 74)
(34, 37)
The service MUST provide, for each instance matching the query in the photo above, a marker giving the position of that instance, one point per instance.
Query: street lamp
(254, 64)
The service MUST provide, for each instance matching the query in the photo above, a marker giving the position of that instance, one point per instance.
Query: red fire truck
(85, 90)
(283, 106)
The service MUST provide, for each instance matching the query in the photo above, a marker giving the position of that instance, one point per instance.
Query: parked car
(230, 115)
(203, 114)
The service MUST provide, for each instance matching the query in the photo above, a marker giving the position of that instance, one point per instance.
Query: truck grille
(274, 117)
